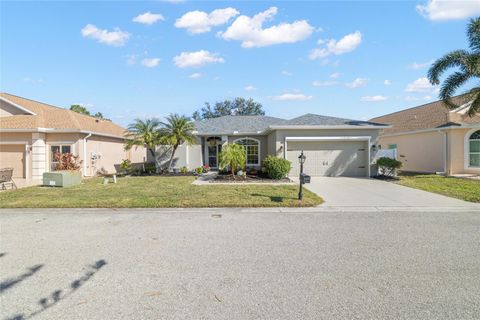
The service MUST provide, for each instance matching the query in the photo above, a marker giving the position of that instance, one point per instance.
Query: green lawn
(468, 190)
(156, 192)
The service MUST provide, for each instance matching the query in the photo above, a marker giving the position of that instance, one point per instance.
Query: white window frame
(258, 156)
(467, 152)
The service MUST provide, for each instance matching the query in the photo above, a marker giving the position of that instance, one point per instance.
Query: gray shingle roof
(257, 124)
(311, 119)
(229, 124)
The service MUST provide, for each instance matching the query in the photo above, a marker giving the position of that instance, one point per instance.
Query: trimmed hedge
(276, 168)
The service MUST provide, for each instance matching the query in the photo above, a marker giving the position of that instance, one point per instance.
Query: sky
(139, 59)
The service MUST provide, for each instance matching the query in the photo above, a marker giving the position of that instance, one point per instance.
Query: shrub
(150, 168)
(199, 170)
(66, 161)
(126, 166)
(233, 156)
(276, 168)
(388, 166)
(183, 170)
(205, 168)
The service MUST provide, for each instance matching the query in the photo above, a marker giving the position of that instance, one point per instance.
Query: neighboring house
(333, 146)
(431, 138)
(31, 131)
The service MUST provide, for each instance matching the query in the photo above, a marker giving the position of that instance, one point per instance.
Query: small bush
(183, 170)
(388, 166)
(67, 161)
(150, 168)
(126, 166)
(277, 168)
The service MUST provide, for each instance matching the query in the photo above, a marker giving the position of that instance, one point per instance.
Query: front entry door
(214, 147)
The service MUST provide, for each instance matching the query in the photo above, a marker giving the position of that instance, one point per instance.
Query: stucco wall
(110, 153)
(421, 152)
(458, 149)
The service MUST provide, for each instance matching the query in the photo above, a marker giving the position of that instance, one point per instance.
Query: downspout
(445, 153)
(85, 154)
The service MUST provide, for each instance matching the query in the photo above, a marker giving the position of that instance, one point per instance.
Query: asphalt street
(240, 264)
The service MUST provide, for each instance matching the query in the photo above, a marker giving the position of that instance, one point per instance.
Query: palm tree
(143, 133)
(468, 64)
(233, 155)
(176, 131)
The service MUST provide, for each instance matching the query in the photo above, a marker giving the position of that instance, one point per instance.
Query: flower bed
(248, 178)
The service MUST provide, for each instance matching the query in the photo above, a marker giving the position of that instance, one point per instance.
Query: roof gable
(51, 117)
(428, 116)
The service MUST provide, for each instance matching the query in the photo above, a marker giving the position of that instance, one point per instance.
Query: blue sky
(144, 59)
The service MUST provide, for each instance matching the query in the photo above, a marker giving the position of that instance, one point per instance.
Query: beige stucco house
(30, 131)
(333, 146)
(433, 139)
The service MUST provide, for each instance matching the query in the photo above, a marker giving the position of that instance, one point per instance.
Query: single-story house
(31, 131)
(434, 139)
(333, 146)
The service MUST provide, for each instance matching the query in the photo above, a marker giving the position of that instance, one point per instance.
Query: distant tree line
(82, 110)
(237, 107)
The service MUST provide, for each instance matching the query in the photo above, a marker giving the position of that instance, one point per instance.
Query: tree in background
(468, 67)
(144, 134)
(176, 131)
(82, 110)
(237, 107)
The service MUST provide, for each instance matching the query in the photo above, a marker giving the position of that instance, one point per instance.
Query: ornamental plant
(233, 156)
(276, 168)
(388, 167)
(67, 161)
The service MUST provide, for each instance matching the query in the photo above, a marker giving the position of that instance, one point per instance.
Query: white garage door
(12, 156)
(329, 158)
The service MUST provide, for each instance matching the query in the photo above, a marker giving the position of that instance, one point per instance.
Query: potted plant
(67, 171)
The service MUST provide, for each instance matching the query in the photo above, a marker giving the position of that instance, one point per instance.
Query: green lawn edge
(157, 192)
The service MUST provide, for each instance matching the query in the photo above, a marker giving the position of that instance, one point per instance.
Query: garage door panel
(329, 158)
(12, 156)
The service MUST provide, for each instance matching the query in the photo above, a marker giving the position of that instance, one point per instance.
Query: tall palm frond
(176, 131)
(468, 67)
(145, 133)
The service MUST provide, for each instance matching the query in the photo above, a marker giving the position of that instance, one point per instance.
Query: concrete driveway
(239, 264)
(342, 191)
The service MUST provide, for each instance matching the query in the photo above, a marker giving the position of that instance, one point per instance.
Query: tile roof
(48, 116)
(258, 124)
(428, 116)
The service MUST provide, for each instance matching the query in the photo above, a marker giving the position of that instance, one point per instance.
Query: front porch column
(39, 156)
(224, 140)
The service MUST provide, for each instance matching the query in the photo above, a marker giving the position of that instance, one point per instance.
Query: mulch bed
(249, 178)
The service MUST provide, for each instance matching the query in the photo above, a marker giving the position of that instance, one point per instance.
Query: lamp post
(301, 160)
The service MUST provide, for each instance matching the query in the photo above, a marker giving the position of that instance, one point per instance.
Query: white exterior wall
(39, 156)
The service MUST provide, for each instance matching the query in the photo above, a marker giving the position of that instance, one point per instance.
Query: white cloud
(441, 10)
(333, 47)
(250, 88)
(387, 82)
(412, 98)
(418, 66)
(357, 83)
(374, 98)
(286, 73)
(195, 75)
(116, 38)
(250, 30)
(148, 18)
(326, 83)
(292, 97)
(335, 75)
(420, 85)
(33, 80)
(151, 62)
(200, 22)
(196, 59)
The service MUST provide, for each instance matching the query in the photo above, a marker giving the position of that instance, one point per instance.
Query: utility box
(304, 178)
(65, 178)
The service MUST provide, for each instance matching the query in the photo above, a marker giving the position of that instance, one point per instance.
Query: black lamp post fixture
(301, 160)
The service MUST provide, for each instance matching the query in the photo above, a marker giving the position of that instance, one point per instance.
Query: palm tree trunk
(152, 153)
(171, 158)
